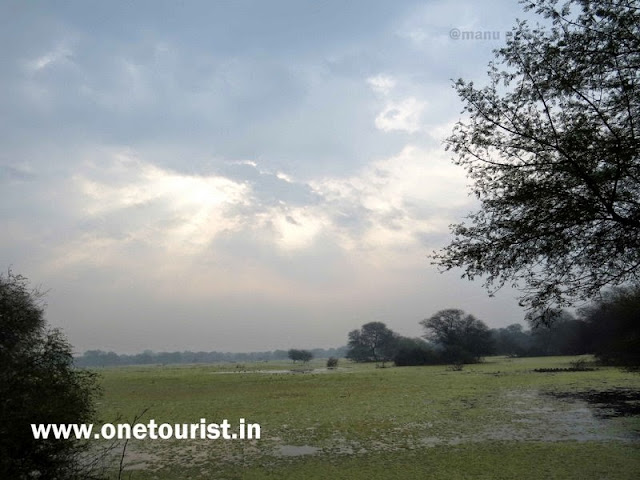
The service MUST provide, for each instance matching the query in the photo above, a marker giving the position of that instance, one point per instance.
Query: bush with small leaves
(39, 385)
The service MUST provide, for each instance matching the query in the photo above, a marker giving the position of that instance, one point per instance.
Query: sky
(238, 175)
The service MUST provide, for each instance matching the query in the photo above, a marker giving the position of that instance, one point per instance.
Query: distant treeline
(462, 338)
(566, 336)
(607, 328)
(100, 358)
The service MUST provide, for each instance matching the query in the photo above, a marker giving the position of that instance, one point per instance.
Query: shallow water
(280, 372)
(295, 450)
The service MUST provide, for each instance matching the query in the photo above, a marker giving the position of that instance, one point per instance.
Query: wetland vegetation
(497, 419)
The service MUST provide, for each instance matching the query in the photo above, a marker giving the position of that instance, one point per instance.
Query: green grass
(492, 420)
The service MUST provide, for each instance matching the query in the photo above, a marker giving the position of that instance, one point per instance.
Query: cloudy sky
(237, 175)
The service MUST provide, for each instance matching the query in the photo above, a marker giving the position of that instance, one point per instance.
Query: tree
(614, 329)
(552, 147)
(463, 337)
(512, 341)
(38, 384)
(562, 334)
(302, 355)
(414, 351)
(374, 342)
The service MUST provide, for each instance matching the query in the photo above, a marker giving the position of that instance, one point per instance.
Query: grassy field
(496, 420)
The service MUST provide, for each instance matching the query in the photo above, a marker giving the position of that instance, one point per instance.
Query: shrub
(39, 384)
(412, 351)
(302, 355)
(456, 366)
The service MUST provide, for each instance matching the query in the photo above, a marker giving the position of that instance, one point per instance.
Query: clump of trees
(613, 326)
(454, 337)
(300, 355)
(512, 341)
(461, 337)
(38, 384)
(560, 334)
(567, 335)
(607, 328)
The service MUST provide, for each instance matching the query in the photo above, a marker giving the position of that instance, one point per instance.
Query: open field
(496, 420)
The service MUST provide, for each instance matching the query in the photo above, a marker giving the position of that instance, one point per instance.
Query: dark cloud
(9, 173)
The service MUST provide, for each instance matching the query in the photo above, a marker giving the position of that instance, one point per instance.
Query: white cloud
(394, 200)
(183, 213)
(382, 209)
(382, 83)
(298, 227)
(285, 177)
(59, 55)
(405, 116)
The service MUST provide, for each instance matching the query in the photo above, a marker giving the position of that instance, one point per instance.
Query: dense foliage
(614, 326)
(415, 351)
(374, 342)
(38, 384)
(462, 337)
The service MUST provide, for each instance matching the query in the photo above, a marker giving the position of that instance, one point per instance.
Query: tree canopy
(374, 342)
(614, 326)
(552, 147)
(302, 355)
(463, 337)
